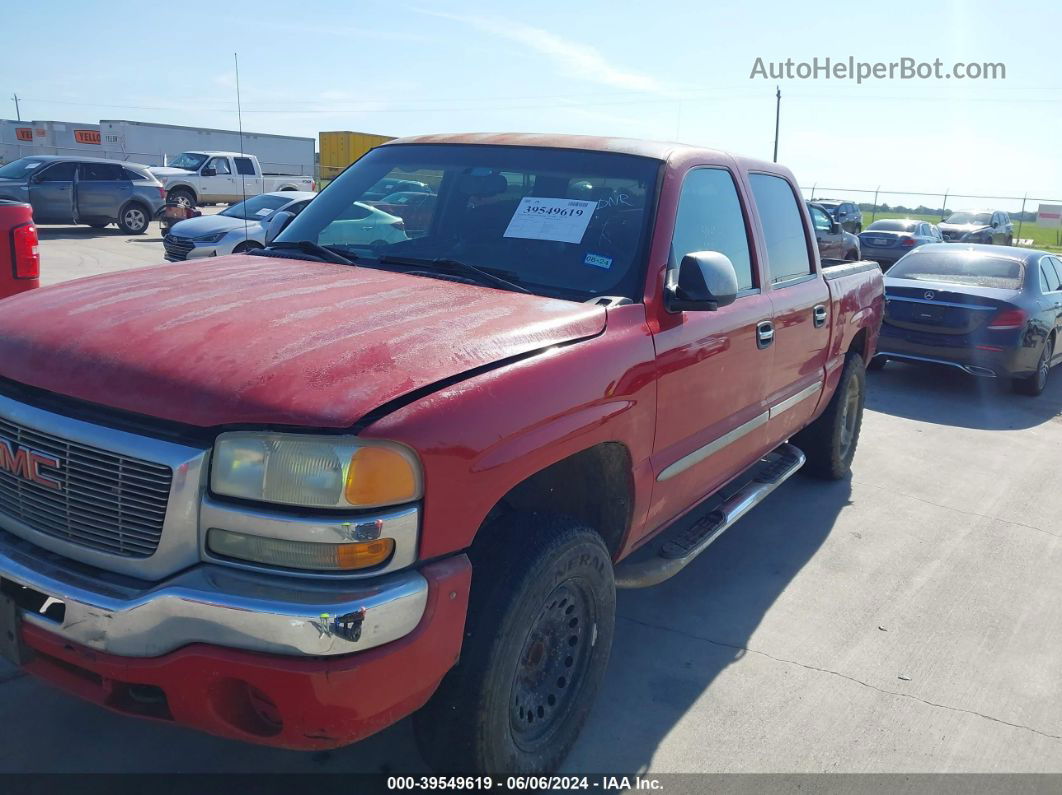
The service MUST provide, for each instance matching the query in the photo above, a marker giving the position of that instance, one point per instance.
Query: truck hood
(169, 171)
(252, 340)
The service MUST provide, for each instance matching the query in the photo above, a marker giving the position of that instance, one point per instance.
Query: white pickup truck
(194, 178)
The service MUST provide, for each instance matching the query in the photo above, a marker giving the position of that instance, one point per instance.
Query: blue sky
(666, 69)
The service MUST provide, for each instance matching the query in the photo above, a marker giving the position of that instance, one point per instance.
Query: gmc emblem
(26, 464)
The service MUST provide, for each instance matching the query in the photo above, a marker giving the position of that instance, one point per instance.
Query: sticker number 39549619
(539, 218)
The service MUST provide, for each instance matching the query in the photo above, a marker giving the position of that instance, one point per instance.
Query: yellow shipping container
(341, 148)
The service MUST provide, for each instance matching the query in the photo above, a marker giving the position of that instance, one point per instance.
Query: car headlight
(214, 238)
(314, 471)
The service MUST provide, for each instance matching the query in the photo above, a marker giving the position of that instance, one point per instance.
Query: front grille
(107, 502)
(177, 248)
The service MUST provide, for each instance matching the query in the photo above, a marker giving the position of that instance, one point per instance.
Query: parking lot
(899, 621)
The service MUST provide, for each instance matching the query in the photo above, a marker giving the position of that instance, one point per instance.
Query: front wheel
(829, 443)
(182, 197)
(539, 632)
(246, 246)
(133, 219)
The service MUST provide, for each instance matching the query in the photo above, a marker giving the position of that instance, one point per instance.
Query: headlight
(210, 238)
(314, 471)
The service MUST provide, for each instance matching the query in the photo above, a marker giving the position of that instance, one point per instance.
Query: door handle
(764, 334)
(820, 314)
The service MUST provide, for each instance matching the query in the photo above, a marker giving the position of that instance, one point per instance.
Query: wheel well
(288, 187)
(594, 486)
(185, 188)
(859, 344)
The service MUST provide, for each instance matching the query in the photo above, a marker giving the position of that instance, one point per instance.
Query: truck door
(712, 372)
(217, 182)
(51, 193)
(102, 189)
(246, 179)
(801, 305)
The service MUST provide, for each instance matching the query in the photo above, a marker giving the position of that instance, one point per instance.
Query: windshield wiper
(325, 253)
(447, 265)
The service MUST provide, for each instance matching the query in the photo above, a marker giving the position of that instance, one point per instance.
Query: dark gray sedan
(887, 240)
(84, 190)
(991, 311)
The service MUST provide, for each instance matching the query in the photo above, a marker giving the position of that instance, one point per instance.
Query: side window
(1049, 279)
(60, 172)
(710, 219)
(243, 166)
(820, 220)
(101, 172)
(133, 176)
(297, 207)
(220, 164)
(783, 228)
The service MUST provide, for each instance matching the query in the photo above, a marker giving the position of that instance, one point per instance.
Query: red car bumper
(290, 702)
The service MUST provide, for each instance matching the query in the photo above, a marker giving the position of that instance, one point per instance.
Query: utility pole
(777, 113)
(18, 115)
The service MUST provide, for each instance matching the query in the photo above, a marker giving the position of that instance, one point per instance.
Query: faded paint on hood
(271, 341)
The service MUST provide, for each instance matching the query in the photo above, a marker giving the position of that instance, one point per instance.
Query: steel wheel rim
(552, 665)
(134, 218)
(849, 415)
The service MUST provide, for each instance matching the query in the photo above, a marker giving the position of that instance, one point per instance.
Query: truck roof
(216, 152)
(658, 150)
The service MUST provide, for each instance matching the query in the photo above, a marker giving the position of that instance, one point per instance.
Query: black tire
(830, 441)
(851, 255)
(541, 616)
(134, 218)
(1010, 240)
(1035, 384)
(249, 245)
(877, 363)
(181, 196)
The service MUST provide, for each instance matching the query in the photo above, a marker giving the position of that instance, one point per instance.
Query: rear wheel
(133, 219)
(537, 641)
(830, 441)
(1036, 383)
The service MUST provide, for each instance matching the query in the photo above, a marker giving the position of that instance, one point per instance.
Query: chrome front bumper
(208, 604)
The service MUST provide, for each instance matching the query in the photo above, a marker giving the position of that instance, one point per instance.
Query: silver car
(84, 190)
(235, 230)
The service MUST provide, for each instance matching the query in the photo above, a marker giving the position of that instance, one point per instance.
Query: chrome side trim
(178, 546)
(969, 369)
(217, 605)
(401, 524)
(714, 446)
(977, 307)
(792, 400)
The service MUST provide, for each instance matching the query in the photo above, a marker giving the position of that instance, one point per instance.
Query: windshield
(892, 225)
(188, 160)
(982, 219)
(950, 268)
(257, 208)
(19, 169)
(560, 222)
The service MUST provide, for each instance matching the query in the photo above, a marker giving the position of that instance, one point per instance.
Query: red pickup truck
(303, 494)
(20, 261)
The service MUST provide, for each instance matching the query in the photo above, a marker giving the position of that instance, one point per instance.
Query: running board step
(669, 553)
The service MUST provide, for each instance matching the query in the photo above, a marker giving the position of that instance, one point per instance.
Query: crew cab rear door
(711, 371)
(800, 305)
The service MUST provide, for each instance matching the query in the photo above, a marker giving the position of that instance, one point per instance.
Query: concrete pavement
(903, 621)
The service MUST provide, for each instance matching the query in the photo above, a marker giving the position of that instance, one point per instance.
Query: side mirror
(276, 223)
(835, 228)
(703, 282)
(208, 172)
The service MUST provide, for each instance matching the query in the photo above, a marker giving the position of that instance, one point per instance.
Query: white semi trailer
(157, 144)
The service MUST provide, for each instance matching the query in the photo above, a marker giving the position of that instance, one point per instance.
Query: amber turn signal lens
(380, 476)
(364, 554)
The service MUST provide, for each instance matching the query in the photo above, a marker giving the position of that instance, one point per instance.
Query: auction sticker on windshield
(562, 220)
